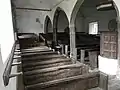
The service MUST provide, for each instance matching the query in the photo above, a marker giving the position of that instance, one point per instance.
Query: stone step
(79, 82)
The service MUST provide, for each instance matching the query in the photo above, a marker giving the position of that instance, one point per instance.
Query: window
(93, 28)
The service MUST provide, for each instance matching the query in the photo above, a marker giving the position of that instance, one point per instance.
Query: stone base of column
(73, 55)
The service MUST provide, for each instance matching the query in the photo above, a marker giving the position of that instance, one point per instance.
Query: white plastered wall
(62, 22)
(102, 18)
(26, 20)
(30, 25)
(79, 23)
(6, 42)
(91, 15)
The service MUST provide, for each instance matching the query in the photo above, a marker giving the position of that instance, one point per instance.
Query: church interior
(61, 45)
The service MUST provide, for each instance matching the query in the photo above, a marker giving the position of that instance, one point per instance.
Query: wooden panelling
(109, 44)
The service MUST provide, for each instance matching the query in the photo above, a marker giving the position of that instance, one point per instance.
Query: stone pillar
(54, 37)
(73, 49)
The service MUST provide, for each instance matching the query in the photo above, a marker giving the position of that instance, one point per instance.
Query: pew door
(109, 44)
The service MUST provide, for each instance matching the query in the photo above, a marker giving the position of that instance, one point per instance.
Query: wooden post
(93, 59)
(62, 49)
(82, 56)
(103, 81)
(66, 50)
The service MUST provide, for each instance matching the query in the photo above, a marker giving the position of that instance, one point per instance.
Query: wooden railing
(7, 72)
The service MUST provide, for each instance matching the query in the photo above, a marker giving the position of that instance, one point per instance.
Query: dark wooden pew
(88, 48)
(85, 43)
(46, 38)
(27, 40)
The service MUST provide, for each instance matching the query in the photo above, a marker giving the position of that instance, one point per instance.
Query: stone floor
(114, 84)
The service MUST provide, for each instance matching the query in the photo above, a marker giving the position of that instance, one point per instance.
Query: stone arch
(75, 10)
(47, 25)
(56, 23)
(77, 7)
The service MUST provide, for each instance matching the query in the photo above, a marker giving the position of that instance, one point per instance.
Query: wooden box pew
(52, 62)
(86, 38)
(27, 37)
(65, 49)
(54, 73)
(84, 46)
(63, 41)
(89, 55)
(82, 40)
(88, 49)
(80, 82)
(47, 38)
(41, 38)
(27, 40)
(67, 80)
(80, 43)
(32, 61)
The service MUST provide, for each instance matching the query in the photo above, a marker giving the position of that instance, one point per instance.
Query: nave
(61, 44)
(49, 69)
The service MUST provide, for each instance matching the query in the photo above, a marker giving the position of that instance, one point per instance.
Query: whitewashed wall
(62, 22)
(29, 25)
(6, 41)
(26, 21)
(102, 18)
(91, 15)
(79, 23)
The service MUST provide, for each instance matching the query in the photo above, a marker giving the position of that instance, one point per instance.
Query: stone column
(73, 49)
(54, 37)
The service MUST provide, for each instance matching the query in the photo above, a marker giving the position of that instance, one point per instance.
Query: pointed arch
(48, 25)
(60, 22)
(72, 26)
